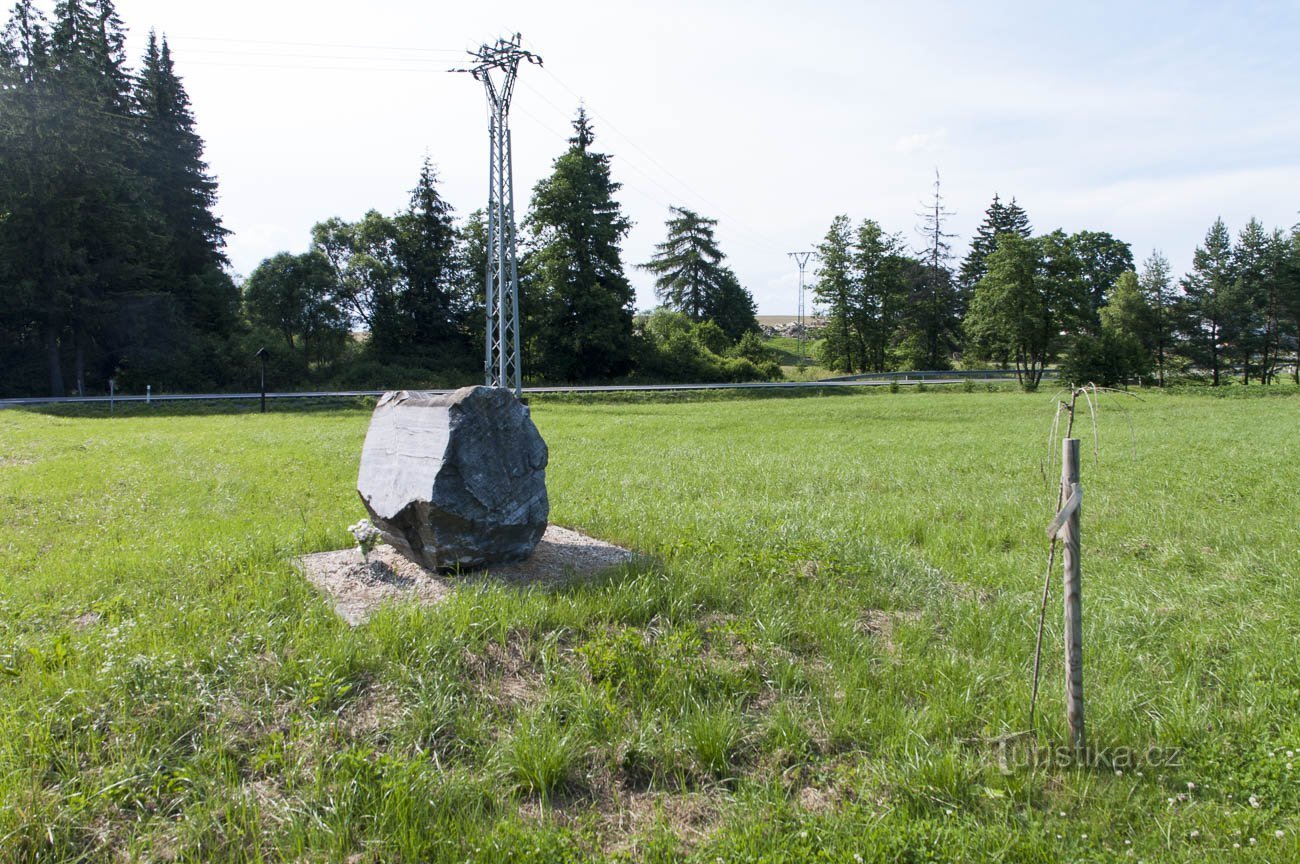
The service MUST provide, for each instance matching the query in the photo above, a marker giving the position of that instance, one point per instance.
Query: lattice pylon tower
(502, 366)
(801, 259)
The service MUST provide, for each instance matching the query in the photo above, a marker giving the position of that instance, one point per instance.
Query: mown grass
(830, 631)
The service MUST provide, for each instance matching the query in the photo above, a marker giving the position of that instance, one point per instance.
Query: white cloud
(922, 142)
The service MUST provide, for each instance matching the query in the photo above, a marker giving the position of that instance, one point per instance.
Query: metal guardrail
(960, 374)
(854, 381)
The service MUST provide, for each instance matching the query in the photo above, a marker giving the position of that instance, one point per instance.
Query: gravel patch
(359, 589)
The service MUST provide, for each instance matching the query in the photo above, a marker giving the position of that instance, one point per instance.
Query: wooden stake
(1073, 600)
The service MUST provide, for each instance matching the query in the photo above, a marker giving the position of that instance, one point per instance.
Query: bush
(671, 347)
(1109, 360)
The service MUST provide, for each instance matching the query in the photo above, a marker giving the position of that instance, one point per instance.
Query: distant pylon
(501, 360)
(801, 258)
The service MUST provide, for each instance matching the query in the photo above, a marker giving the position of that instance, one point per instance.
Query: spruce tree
(26, 250)
(471, 273)
(934, 310)
(691, 278)
(879, 267)
(842, 349)
(1274, 304)
(1251, 327)
(1208, 306)
(973, 267)
(580, 302)
(433, 302)
(191, 263)
(1289, 298)
(1157, 286)
(1129, 329)
(74, 221)
(998, 217)
(688, 264)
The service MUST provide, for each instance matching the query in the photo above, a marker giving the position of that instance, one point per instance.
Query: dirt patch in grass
(817, 801)
(505, 674)
(879, 624)
(377, 710)
(358, 589)
(620, 817)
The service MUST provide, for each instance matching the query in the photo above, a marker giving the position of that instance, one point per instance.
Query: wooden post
(1073, 601)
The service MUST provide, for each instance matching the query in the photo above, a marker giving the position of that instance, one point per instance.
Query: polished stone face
(455, 480)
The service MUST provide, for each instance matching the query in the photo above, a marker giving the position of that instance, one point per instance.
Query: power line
(757, 235)
(240, 41)
(343, 63)
(755, 239)
(298, 67)
(431, 61)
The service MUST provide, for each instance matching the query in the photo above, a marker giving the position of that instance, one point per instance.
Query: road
(905, 379)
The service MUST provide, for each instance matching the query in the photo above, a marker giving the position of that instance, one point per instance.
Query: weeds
(834, 604)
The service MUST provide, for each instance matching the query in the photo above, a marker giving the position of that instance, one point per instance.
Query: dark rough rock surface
(455, 480)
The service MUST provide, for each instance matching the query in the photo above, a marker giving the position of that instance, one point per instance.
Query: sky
(1144, 119)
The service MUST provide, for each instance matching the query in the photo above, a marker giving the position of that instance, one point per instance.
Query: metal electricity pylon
(801, 258)
(501, 360)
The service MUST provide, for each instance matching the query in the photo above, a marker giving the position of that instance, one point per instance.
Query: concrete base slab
(358, 589)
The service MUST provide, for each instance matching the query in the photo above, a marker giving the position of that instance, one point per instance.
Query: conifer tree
(879, 266)
(1208, 306)
(842, 348)
(433, 302)
(1256, 267)
(687, 266)
(26, 251)
(1289, 298)
(75, 224)
(472, 263)
(1128, 328)
(998, 217)
(691, 278)
(579, 300)
(1157, 286)
(183, 194)
(934, 310)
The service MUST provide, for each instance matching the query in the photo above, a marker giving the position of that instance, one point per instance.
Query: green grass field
(830, 634)
(787, 355)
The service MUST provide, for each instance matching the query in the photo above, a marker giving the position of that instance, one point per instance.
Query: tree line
(112, 261)
(412, 283)
(110, 256)
(1025, 301)
(113, 265)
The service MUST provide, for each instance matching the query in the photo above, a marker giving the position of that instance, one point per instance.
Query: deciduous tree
(294, 296)
(1030, 294)
(1101, 260)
